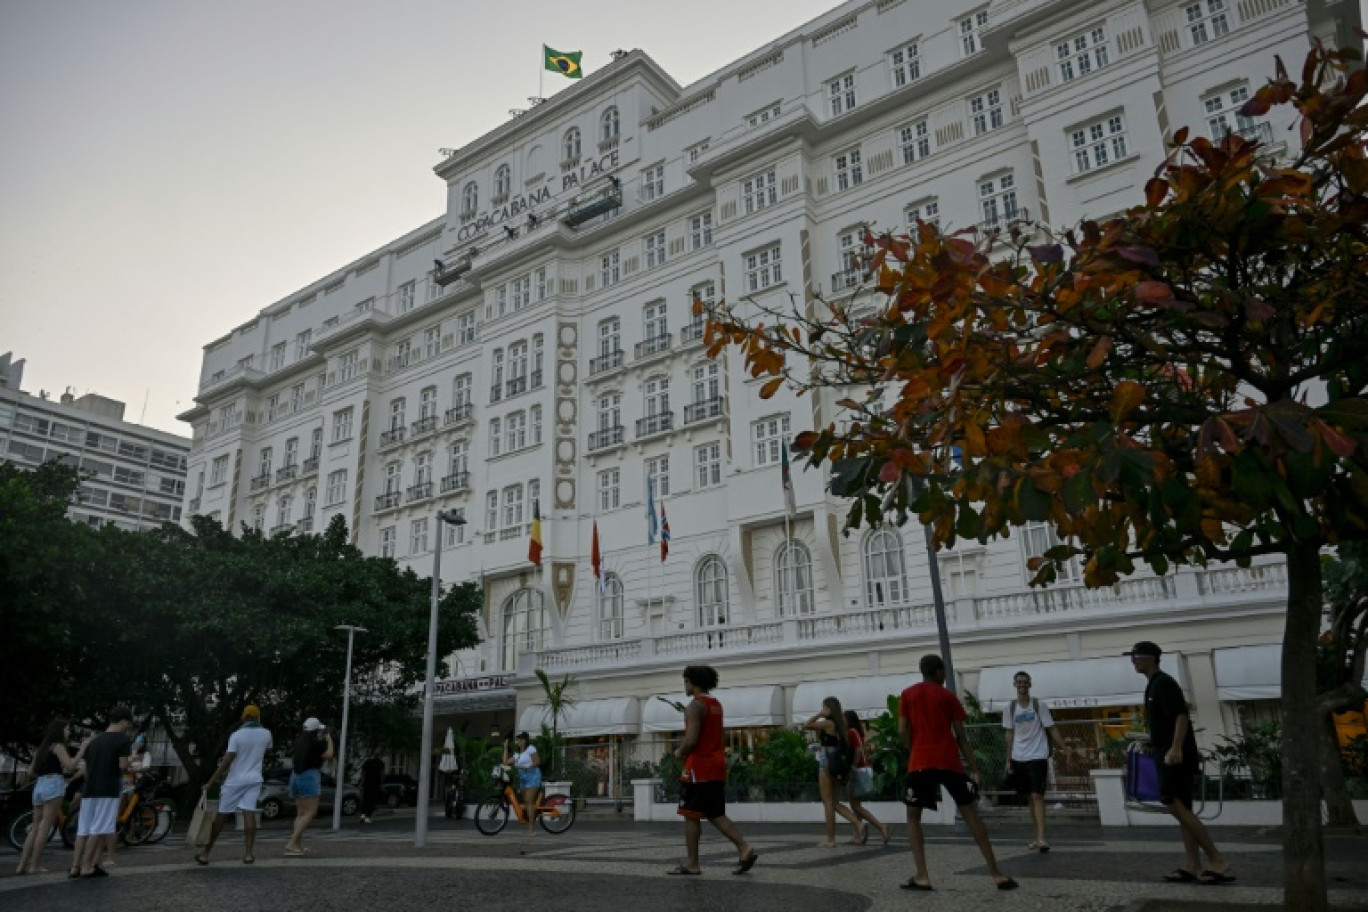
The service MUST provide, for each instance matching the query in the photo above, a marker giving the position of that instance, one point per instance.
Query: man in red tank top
(931, 722)
(703, 786)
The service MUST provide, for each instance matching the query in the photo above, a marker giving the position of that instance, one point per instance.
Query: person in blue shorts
(525, 759)
(313, 746)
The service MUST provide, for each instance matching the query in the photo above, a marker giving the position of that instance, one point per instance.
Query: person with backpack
(836, 760)
(1030, 732)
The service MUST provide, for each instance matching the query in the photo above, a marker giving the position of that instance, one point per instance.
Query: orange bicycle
(556, 812)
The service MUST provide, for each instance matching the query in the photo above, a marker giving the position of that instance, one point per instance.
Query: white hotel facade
(554, 361)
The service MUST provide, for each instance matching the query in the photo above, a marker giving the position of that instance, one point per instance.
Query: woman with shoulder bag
(861, 784)
(830, 725)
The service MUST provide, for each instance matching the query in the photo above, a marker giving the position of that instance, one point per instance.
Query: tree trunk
(1304, 888)
(1339, 805)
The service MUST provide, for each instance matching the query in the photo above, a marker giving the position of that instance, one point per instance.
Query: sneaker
(365, 819)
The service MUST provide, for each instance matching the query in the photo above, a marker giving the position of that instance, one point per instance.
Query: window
(655, 249)
(764, 116)
(927, 210)
(541, 281)
(512, 506)
(501, 300)
(292, 452)
(653, 183)
(971, 30)
(515, 433)
(455, 532)
(707, 382)
(536, 411)
(609, 489)
(653, 318)
(1082, 54)
(997, 197)
(427, 403)
(407, 296)
(465, 328)
(793, 579)
(310, 501)
(609, 125)
(538, 359)
(850, 247)
(849, 172)
(337, 487)
(1098, 144)
(394, 477)
(432, 341)
(503, 182)
(388, 536)
(985, 111)
(696, 151)
(316, 444)
(278, 356)
(495, 437)
(470, 199)
(610, 608)
(770, 435)
(609, 271)
(762, 269)
(461, 390)
(609, 337)
(1036, 539)
(218, 470)
(342, 424)
(517, 364)
(711, 591)
(915, 140)
(491, 511)
(657, 390)
(302, 341)
(397, 411)
(609, 411)
(273, 410)
(458, 462)
(403, 353)
(841, 94)
(700, 231)
(905, 64)
(570, 146)
(348, 365)
(885, 569)
(524, 626)
(759, 191)
(418, 536)
(297, 398)
(1206, 21)
(422, 468)
(1223, 115)
(258, 516)
(658, 476)
(496, 374)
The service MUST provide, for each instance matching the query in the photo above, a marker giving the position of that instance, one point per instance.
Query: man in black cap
(1176, 759)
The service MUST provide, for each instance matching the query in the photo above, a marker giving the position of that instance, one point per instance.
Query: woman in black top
(830, 725)
(50, 762)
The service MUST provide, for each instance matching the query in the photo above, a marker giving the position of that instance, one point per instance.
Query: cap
(1145, 648)
(312, 724)
(251, 711)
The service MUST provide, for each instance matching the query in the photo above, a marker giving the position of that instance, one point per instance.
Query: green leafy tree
(1342, 652)
(1182, 384)
(558, 703)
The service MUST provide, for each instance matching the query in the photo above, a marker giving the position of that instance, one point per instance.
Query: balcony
(653, 345)
(262, 481)
(692, 332)
(845, 280)
(695, 412)
(515, 386)
(536, 379)
(423, 426)
(1258, 132)
(282, 527)
(420, 491)
(459, 414)
(304, 525)
(387, 501)
(195, 505)
(286, 473)
(604, 363)
(456, 482)
(605, 438)
(654, 424)
(496, 392)
(510, 533)
(392, 437)
(608, 201)
(311, 465)
(1016, 215)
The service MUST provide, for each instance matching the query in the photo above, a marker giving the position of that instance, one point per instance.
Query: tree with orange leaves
(1182, 384)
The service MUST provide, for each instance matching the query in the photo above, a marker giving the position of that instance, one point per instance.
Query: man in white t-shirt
(1030, 729)
(240, 773)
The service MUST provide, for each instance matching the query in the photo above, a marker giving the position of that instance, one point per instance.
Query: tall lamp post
(346, 708)
(420, 823)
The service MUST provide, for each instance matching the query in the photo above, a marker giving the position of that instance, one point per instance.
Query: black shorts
(1032, 776)
(703, 800)
(923, 788)
(1176, 783)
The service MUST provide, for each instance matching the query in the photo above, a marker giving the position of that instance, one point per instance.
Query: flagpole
(541, 75)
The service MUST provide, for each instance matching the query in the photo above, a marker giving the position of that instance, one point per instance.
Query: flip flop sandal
(1008, 884)
(200, 859)
(913, 885)
(747, 863)
(680, 870)
(1180, 875)
(1215, 877)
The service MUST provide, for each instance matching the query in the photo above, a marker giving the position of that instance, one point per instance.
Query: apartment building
(534, 349)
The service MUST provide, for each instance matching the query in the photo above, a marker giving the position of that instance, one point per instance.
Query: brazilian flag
(567, 64)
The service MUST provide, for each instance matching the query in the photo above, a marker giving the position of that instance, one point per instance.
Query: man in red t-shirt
(703, 786)
(931, 722)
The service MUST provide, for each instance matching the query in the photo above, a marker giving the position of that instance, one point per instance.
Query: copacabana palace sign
(549, 193)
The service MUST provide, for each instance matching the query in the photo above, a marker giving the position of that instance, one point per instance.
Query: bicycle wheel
(142, 820)
(69, 829)
(557, 814)
(491, 816)
(166, 820)
(19, 829)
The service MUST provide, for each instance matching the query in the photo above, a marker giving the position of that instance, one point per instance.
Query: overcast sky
(170, 167)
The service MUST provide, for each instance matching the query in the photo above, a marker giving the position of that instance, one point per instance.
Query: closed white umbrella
(448, 761)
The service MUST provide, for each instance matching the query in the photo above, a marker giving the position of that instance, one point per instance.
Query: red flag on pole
(596, 558)
(534, 547)
(664, 533)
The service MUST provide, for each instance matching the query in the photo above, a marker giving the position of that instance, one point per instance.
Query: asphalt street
(606, 861)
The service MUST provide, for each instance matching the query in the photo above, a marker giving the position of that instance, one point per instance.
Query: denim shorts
(48, 787)
(530, 778)
(307, 784)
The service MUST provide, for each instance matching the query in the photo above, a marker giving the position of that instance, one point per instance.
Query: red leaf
(1156, 188)
(1046, 253)
(889, 472)
(1151, 292)
(1139, 255)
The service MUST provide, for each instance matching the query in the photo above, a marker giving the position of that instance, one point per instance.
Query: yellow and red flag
(534, 547)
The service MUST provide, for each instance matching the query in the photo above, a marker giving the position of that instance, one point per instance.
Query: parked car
(276, 800)
(400, 788)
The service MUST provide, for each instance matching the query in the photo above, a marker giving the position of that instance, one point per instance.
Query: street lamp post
(420, 824)
(346, 708)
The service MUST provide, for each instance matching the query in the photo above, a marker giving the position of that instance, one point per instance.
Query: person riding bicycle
(527, 762)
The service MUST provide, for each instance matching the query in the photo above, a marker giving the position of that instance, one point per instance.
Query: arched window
(503, 181)
(609, 125)
(885, 569)
(711, 591)
(793, 579)
(570, 145)
(610, 608)
(524, 625)
(470, 199)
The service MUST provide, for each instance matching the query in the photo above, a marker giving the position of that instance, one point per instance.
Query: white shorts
(239, 796)
(98, 816)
